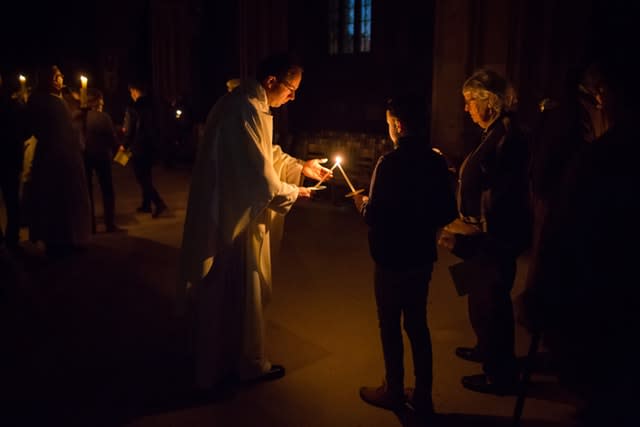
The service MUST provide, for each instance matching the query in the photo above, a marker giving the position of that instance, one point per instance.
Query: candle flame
(22, 78)
(83, 79)
(178, 113)
(338, 159)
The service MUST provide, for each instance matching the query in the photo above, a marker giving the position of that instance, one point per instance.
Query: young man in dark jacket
(410, 198)
(141, 139)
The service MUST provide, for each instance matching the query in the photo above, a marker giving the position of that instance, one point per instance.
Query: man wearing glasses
(242, 186)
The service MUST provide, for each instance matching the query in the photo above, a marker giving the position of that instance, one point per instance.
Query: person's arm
(271, 190)
(373, 207)
(128, 129)
(288, 167)
(110, 131)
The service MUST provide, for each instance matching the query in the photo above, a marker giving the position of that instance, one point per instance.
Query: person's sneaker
(382, 397)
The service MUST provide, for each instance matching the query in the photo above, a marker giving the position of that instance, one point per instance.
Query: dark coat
(59, 206)
(410, 198)
(582, 291)
(101, 138)
(141, 132)
(494, 188)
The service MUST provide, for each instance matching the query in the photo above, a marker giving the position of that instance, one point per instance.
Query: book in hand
(122, 157)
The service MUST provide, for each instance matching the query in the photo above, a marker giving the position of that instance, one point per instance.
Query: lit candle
(178, 114)
(83, 91)
(338, 160)
(23, 87)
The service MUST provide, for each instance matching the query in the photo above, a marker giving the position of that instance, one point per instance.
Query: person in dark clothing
(13, 133)
(581, 295)
(492, 230)
(100, 143)
(410, 198)
(59, 207)
(141, 138)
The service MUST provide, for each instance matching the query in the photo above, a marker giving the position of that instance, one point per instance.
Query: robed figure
(59, 210)
(242, 186)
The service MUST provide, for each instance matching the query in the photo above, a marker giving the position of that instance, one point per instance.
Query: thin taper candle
(331, 170)
(346, 178)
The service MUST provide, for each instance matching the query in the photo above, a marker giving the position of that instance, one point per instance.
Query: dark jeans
(403, 294)
(101, 164)
(491, 315)
(10, 186)
(142, 166)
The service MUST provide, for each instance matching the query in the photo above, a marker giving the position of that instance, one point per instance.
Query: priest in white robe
(242, 186)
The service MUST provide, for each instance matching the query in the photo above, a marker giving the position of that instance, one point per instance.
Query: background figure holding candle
(58, 202)
(242, 186)
(13, 133)
(141, 137)
(100, 143)
(493, 228)
(410, 197)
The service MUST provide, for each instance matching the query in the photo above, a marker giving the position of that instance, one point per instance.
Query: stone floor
(93, 340)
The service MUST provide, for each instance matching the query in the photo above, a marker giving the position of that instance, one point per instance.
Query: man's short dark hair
(411, 110)
(278, 65)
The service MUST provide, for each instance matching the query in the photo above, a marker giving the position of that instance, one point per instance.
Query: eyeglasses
(288, 86)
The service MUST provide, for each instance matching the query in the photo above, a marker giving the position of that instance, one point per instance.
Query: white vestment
(242, 186)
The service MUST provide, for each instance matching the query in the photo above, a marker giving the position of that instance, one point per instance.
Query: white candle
(23, 87)
(338, 160)
(346, 178)
(83, 91)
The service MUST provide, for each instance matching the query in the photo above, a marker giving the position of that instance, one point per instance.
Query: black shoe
(482, 383)
(143, 209)
(276, 372)
(468, 353)
(158, 211)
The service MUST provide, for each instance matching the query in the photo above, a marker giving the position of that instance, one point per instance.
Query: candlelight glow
(337, 163)
(178, 114)
(83, 91)
(22, 78)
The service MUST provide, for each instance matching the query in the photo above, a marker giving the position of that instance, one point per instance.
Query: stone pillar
(451, 54)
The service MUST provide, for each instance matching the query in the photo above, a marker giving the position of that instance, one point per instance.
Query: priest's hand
(313, 169)
(304, 192)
